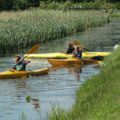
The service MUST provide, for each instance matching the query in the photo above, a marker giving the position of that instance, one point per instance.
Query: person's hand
(12, 70)
(29, 61)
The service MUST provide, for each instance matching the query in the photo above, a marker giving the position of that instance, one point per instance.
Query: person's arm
(85, 49)
(12, 69)
(27, 61)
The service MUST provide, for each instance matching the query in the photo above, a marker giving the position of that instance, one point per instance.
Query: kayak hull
(63, 55)
(72, 61)
(65, 62)
(19, 74)
(90, 61)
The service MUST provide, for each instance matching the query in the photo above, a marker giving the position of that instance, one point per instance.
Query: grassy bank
(115, 14)
(99, 97)
(18, 30)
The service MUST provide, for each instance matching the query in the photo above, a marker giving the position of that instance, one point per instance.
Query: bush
(43, 5)
(21, 4)
(67, 5)
(108, 6)
(53, 5)
(6, 4)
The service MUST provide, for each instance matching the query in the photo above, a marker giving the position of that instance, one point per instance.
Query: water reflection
(76, 70)
(72, 69)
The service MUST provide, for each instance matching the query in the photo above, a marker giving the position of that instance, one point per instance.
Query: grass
(20, 30)
(115, 14)
(99, 97)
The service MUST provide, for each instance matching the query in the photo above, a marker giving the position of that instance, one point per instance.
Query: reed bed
(98, 98)
(115, 14)
(20, 30)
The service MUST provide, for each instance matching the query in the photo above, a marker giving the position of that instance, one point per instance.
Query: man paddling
(20, 64)
(78, 52)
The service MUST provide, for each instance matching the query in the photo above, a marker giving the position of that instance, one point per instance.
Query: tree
(6, 4)
(34, 3)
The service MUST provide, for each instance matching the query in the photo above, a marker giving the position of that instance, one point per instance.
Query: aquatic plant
(20, 30)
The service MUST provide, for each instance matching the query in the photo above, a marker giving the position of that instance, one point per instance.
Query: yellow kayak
(63, 55)
(19, 74)
(49, 55)
(72, 61)
(95, 54)
(65, 62)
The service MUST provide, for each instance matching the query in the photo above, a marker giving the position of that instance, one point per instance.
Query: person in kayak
(78, 52)
(20, 64)
(70, 49)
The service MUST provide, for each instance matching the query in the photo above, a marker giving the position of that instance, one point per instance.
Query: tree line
(24, 4)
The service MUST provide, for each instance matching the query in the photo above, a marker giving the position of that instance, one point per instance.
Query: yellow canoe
(63, 55)
(19, 74)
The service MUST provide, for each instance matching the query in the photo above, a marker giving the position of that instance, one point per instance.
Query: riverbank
(20, 30)
(98, 98)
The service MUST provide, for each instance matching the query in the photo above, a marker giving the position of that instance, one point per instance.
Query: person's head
(17, 59)
(77, 48)
(70, 45)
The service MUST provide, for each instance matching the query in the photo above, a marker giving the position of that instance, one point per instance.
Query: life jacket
(21, 66)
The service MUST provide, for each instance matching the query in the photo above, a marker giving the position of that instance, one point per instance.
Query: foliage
(20, 30)
(18, 4)
(54, 4)
(21, 4)
(28, 98)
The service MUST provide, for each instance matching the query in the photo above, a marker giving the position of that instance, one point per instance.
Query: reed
(20, 30)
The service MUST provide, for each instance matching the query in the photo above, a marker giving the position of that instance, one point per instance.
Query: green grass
(115, 14)
(20, 30)
(99, 97)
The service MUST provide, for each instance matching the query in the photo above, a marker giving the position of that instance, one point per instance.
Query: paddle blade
(34, 49)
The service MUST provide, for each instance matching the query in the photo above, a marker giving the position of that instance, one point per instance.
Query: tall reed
(20, 30)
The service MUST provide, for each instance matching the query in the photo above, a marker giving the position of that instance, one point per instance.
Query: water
(60, 85)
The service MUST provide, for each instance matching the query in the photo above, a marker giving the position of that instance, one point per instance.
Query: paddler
(20, 64)
(70, 49)
(78, 52)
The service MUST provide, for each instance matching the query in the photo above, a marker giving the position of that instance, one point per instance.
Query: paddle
(32, 50)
